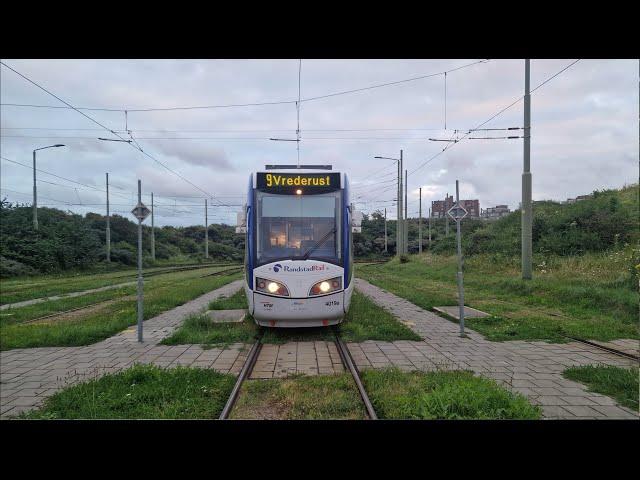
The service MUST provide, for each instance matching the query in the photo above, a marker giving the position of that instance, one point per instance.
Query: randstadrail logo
(312, 268)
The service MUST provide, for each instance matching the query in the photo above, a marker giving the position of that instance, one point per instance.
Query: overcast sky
(584, 129)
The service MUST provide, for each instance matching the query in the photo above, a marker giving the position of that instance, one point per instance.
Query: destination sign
(291, 182)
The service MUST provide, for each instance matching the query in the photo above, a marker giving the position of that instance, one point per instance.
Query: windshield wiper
(318, 243)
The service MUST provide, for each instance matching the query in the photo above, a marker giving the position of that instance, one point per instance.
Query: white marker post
(458, 213)
(141, 212)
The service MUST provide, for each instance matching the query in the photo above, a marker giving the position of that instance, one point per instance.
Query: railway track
(575, 339)
(252, 357)
(245, 372)
(348, 363)
(228, 271)
(64, 312)
(369, 262)
(605, 348)
(133, 275)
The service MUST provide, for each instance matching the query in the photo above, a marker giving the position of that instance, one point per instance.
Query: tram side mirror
(356, 220)
(241, 222)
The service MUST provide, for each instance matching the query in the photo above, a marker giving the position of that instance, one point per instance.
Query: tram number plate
(332, 303)
(267, 306)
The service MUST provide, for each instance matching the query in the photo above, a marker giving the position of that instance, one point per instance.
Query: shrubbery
(67, 241)
(609, 219)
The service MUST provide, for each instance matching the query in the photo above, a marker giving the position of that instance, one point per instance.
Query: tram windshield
(298, 227)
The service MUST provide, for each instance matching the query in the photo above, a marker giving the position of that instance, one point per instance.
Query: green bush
(607, 220)
(13, 268)
(67, 241)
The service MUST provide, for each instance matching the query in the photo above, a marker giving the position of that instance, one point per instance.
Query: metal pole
(140, 280)
(108, 230)
(206, 230)
(446, 207)
(429, 227)
(385, 230)
(402, 219)
(527, 220)
(153, 233)
(35, 194)
(399, 205)
(406, 217)
(460, 285)
(420, 224)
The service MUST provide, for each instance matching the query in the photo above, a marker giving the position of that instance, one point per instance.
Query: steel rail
(228, 271)
(347, 361)
(602, 347)
(57, 314)
(63, 312)
(246, 370)
(576, 339)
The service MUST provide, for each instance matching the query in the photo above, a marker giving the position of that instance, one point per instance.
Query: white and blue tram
(298, 223)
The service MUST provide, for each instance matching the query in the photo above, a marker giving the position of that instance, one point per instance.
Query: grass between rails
(161, 294)
(590, 297)
(50, 285)
(443, 395)
(142, 392)
(330, 397)
(616, 382)
(365, 321)
(30, 312)
(448, 395)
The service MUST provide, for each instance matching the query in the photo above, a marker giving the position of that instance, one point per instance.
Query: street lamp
(400, 242)
(114, 140)
(35, 192)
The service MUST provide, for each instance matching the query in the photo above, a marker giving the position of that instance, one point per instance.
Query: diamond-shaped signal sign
(141, 211)
(457, 212)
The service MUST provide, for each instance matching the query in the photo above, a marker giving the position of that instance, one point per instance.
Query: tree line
(68, 241)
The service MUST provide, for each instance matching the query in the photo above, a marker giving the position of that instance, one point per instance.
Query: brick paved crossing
(310, 358)
(534, 369)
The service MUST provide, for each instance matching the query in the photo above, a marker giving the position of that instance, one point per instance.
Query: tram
(298, 225)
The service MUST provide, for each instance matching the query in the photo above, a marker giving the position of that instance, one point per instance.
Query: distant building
(439, 208)
(495, 212)
(577, 199)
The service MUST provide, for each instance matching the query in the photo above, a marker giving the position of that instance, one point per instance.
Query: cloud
(194, 153)
(584, 128)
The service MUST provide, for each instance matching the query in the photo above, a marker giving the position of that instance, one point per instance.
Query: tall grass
(443, 395)
(591, 296)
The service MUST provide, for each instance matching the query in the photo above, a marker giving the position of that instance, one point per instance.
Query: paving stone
(454, 311)
(553, 412)
(582, 411)
(612, 411)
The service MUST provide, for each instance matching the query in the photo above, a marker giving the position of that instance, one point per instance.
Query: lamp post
(400, 222)
(35, 191)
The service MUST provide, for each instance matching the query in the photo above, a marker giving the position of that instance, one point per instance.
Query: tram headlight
(271, 287)
(326, 286)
